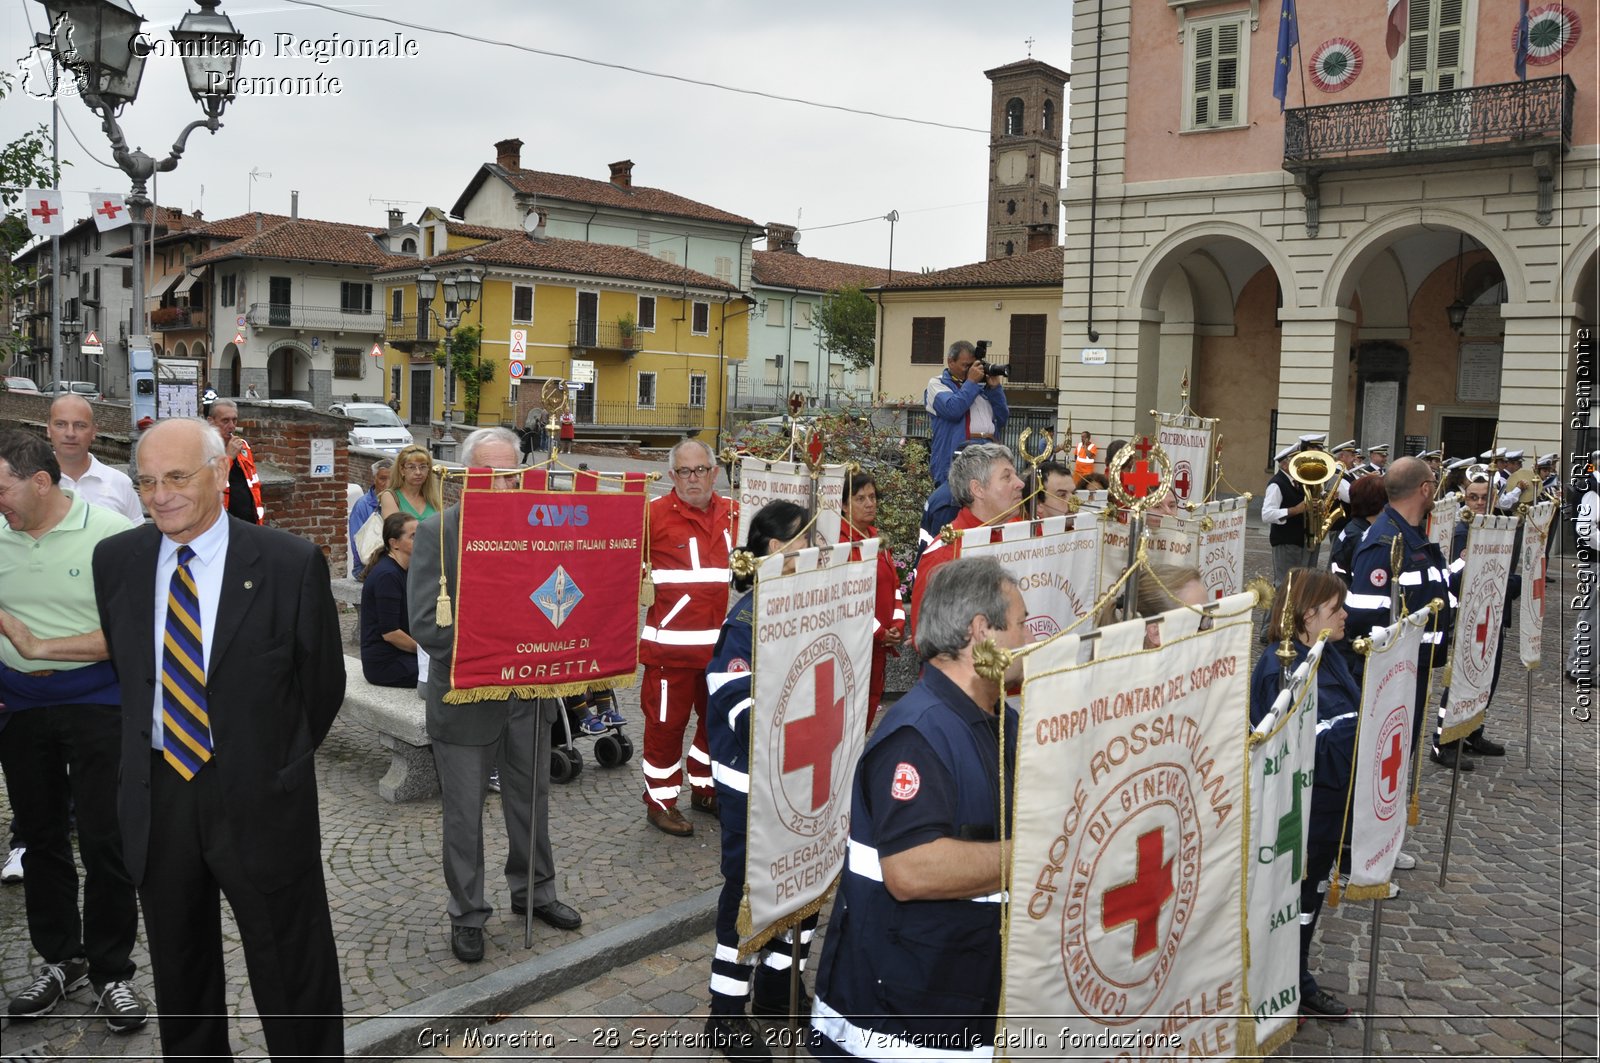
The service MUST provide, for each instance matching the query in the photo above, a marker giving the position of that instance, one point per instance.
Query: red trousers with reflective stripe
(668, 697)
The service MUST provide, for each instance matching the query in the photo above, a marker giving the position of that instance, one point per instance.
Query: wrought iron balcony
(669, 417)
(174, 318)
(1032, 374)
(1513, 118)
(410, 331)
(300, 316)
(604, 336)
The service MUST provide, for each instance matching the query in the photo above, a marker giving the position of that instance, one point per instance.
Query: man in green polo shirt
(60, 738)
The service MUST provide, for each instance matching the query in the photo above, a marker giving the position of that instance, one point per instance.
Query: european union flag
(1288, 41)
(1522, 43)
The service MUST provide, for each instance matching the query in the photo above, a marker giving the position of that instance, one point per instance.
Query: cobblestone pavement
(1499, 963)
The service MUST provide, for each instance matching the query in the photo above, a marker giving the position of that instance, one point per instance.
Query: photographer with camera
(966, 401)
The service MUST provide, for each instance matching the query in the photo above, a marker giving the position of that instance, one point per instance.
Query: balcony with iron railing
(177, 318)
(604, 336)
(410, 331)
(1032, 374)
(300, 316)
(625, 416)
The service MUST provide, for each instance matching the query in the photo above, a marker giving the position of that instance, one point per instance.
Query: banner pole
(533, 819)
(1130, 590)
(794, 986)
(1450, 816)
(1372, 978)
(1527, 744)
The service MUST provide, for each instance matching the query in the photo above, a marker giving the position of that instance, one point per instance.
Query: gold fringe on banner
(536, 690)
(1377, 891)
(647, 588)
(743, 924)
(749, 948)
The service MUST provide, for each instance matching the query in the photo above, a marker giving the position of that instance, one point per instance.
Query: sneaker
(1404, 861)
(54, 982)
(12, 873)
(1324, 1005)
(592, 725)
(125, 1010)
(737, 1037)
(613, 717)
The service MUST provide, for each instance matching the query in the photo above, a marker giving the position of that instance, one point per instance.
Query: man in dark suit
(217, 787)
(472, 739)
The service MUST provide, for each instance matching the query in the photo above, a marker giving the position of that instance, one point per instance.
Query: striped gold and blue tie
(187, 745)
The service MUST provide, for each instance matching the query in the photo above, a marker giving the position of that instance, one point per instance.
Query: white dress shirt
(210, 556)
(101, 485)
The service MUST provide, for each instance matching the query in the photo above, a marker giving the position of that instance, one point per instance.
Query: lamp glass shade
(427, 285)
(117, 89)
(1457, 313)
(211, 49)
(469, 284)
(449, 287)
(96, 33)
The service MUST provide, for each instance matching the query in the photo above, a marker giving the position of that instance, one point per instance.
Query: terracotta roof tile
(604, 193)
(478, 232)
(300, 240)
(1034, 269)
(788, 269)
(574, 256)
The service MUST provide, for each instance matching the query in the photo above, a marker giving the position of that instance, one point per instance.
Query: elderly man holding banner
(911, 965)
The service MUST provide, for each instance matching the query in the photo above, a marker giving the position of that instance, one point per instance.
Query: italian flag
(1397, 26)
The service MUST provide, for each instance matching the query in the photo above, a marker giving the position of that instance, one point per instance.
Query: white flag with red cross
(1480, 613)
(1534, 566)
(1187, 439)
(108, 210)
(808, 724)
(42, 206)
(1385, 747)
(1055, 567)
(1125, 927)
(1283, 754)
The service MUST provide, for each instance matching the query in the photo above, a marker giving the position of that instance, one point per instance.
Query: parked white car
(87, 388)
(21, 385)
(377, 426)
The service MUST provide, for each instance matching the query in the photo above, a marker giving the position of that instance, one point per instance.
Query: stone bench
(347, 591)
(398, 715)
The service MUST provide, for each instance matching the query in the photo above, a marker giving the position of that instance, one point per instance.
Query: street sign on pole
(377, 353)
(92, 345)
(515, 369)
(519, 344)
(582, 371)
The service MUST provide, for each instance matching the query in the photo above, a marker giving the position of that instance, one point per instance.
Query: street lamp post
(461, 288)
(100, 43)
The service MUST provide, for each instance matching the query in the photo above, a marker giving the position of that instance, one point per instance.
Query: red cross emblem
(44, 211)
(1181, 479)
(1538, 585)
(1143, 479)
(109, 209)
(1140, 902)
(1389, 766)
(811, 742)
(907, 781)
(1480, 634)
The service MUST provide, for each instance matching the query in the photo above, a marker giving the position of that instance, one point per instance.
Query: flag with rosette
(1534, 568)
(1055, 567)
(812, 665)
(1283, 750)
(1480, 611)
(1126, 906)
(547, 567)
(1385, 747)
(1335, 64)
(762, 481)
(1553, 30)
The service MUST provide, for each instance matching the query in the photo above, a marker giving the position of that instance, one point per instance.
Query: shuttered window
(927, 341)
(1435, 50)
(1216, 73)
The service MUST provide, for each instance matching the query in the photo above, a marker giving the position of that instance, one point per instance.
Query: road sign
(238, 338)
(582, 371)
(92, 345)
(377, 353)
(240, 322)
(515, 369)
(1094, 356)
(519, 344)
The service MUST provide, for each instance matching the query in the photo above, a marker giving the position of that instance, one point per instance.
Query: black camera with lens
(982, 349)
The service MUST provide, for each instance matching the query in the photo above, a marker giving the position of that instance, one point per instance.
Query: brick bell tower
(1027, 116)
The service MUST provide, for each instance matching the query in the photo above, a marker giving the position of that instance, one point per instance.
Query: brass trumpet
(1314, 470)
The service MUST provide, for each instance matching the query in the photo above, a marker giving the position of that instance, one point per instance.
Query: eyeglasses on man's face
(694, 472)
(172, 481)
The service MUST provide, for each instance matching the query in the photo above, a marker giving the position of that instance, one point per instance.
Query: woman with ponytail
(889, 614)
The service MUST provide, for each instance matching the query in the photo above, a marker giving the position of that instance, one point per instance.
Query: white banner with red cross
(1480, 611)
(1283, 751)
(1219, 544)
(1442, 530)
(808, 723)
(762, 481)
(42, 208)
(1187, 439)
(1125, 922)
(1531, 621)
(1055, 568)
(108, 210)
(1384, 748)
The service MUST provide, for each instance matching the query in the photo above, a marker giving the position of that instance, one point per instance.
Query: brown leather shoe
(669, 821)
(706, 804)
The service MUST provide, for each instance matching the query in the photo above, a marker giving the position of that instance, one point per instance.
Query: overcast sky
(416, 129)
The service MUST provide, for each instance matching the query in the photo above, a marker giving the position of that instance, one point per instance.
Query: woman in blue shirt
(388, 653)
(1317, 605)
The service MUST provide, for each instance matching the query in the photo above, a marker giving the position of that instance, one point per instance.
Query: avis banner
(1446, 511)
(1283, 751)
(808, 724)
(762, 481)
(1384, 749)
(1531, 620)
(544, 574)
(1479, 616)
(1125, 918)
(1055, 567)
(1187, 440)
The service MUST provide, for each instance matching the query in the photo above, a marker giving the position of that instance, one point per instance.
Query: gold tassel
(1333, 887)
(444, 617)
(647, 589)
(743, 924)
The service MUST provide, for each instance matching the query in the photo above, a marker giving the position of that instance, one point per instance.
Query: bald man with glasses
(691, 532)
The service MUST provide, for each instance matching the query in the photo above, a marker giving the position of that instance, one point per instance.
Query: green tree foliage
(24, 163)
(847, 322)
(461, 355)
(900, 467)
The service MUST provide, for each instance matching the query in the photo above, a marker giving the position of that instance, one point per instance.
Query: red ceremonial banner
(547, 595)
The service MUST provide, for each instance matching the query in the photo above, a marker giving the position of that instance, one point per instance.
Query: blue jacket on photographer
(966, 401)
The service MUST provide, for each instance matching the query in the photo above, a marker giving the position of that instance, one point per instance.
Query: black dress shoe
(561, 916)
(1446, 757)
(706, 803)
(467, 943)
(737, 1037)
(1324, 1005)
(1485, 746)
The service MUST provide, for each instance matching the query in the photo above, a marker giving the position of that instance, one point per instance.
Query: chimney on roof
(508, 154)
(1041, 237)
(294, 204)
(397, 218)
(622, 173)
(197, 215)
(781, 237)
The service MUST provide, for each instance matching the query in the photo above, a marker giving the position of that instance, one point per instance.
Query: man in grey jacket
(471, 740)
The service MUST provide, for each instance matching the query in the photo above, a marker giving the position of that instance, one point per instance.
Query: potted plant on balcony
(162, 316)
(625, 329)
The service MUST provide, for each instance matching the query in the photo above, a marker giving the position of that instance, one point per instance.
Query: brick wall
(313, 508)
(111, 444)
